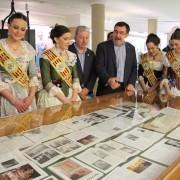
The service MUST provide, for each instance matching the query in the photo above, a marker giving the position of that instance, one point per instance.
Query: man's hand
(130, 90)
(113, 83)
(84, 93)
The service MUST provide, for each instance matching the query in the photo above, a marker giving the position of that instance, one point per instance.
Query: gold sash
(60, 66)
(175, 64)
(149, 73)
(13, 68)
(147, 70)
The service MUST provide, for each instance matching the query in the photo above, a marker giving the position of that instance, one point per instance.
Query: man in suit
(116, 63)
(85, 61)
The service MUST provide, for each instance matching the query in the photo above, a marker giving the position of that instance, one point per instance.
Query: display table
(139, 154)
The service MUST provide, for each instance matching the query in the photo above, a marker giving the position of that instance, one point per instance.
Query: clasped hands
(114, 84)
(22, 104)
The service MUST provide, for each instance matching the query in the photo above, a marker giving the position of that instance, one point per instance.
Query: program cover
(136, 169)
(71, 169)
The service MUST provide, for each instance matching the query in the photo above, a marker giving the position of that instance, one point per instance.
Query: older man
(85, 61)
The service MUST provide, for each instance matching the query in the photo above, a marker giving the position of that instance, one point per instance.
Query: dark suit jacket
(88, 76)
(106, 66)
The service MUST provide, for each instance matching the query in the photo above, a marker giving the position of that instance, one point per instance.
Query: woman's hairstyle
(17, 15)
(176, 34)
(153, 38)
(58, 31)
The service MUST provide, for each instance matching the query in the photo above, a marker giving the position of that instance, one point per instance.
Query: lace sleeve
(3, 86)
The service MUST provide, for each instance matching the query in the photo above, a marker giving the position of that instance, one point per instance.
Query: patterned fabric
(27, 61)
(46, 97)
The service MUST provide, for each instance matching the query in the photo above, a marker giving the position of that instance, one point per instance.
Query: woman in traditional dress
(150, 72)
(173, 63)
(58, 70)
(18, 72)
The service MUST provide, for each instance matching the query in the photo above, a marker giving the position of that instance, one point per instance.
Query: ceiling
(132, 10)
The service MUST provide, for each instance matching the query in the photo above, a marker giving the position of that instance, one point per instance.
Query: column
(97, 23)
(152, 26)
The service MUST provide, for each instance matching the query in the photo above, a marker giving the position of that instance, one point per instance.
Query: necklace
(14, 46)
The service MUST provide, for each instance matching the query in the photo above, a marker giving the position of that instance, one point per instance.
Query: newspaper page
(65, 146)
(71, 169)
(136, 169)
(4, 145)
(166, 151)
(47, 132)
(42, 155)
(100, 159)
(93, 118)
(86, 138)
(76, 123)
(24, 171)
(11, 160)
(139, 138)
(175, 134)
(166, 120)
(109, 112)
(114, 126)
(143, 110)
(109, 128)
(14, 142)
(51, 178)
(117, 149)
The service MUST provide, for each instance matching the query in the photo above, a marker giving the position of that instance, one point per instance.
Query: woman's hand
(66, 101)
(28, 101)
(74, 95)
(20, 105)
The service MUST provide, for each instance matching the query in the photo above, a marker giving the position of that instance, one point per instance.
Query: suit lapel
(112, 52)
(86, 62)
(126, 61)
(79, 68)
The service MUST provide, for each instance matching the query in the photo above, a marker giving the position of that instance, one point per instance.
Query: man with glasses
(116, 63)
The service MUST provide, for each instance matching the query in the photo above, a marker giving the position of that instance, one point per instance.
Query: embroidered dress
(26, 60)
(53, 83)
(156, 66)
(173, 77)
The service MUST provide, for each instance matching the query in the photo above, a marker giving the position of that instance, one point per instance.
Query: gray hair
(81, 29)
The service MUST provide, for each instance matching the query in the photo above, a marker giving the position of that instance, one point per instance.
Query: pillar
(97, 23)
(152, 26)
